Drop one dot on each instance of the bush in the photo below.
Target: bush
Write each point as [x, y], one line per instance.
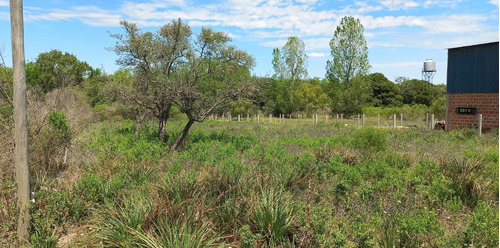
[370, 138]
[483, 229]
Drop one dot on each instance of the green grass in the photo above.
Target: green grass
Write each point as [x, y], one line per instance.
[245, 184]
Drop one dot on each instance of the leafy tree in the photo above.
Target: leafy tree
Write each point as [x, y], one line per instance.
[279, 96]
[170, 69]
[349, 52]
[154, 58]
[55, 69]
[213, 74]
[350, 100]
[416, 91]
[385, 92]
[290, 63]
[311, 96]
[438, 107]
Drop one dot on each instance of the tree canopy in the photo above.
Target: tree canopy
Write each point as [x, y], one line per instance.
[196, 76]
[349, 52]
[290, 63]
[55, 69]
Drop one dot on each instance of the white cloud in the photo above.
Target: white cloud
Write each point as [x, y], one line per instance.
[270, 22]
[495, 2]
[90, 15]
[316, 55]
[4, 3]
[399, 4]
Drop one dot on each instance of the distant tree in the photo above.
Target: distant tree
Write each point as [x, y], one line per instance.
[290, 63]
[56, 69]
[213, 74]
[385, 92]
[350, 100]
[416, 91]
[349, 52]
[154, 58]
[279, 96]
[438, 107]
[6, 95]
[311, 96]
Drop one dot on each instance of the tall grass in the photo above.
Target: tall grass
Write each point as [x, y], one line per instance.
[261, 185]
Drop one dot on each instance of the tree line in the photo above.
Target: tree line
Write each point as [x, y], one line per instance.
[173, 70]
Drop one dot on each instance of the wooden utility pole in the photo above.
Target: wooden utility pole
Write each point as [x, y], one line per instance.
[20, 121]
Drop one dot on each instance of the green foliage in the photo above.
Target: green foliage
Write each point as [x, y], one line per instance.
[55, 69]
[419, 91]
[50, 146]
[311, 96]
[57, 120]
[6, 92]
[438, 108]
[245, 185]
[385, 92]
[483, 229]
[349, 53]
[415, 112]
[242, 108]
[273, 216]
[370, 138]
[290, 63]
[349, 100]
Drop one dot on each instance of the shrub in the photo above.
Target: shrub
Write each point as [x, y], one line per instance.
[483, 229]
[272, 216]
[370, 138]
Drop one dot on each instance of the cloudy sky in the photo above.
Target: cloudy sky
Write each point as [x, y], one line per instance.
[401, 34]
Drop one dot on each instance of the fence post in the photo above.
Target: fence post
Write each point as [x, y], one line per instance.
[358, 119]
[363, 120]
[432, 121]
[378, 120]
[238, 118]
[270, 118]
[316, 118]
[222, 116]
[230, 117]
[480, 129]
[394, 121]
[337, 120]
[401, 119]
[427, 121]
[326, 118]
[248, 117]
[341, 118]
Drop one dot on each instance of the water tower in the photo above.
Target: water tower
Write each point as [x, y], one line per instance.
[429, 70]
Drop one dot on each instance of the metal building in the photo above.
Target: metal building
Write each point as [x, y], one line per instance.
[472, 86]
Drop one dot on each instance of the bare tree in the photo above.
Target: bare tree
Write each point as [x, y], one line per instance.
[20, 121]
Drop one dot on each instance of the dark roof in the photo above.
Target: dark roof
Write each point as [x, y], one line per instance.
[481, 44]
[473, 69]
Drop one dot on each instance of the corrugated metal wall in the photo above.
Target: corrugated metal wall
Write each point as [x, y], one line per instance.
[473, 69]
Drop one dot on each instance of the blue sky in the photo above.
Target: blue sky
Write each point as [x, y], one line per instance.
[401, 34]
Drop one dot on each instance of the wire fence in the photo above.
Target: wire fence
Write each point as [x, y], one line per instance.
[427, 121]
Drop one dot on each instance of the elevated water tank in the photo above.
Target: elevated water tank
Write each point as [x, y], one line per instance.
[429, 65]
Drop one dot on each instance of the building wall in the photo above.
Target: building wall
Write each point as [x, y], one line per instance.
[486, 104]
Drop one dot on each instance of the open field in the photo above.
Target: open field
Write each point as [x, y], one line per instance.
[238, 184]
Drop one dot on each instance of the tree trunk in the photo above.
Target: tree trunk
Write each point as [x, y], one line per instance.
[162, 122]
[183, 135]
[20, 121]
